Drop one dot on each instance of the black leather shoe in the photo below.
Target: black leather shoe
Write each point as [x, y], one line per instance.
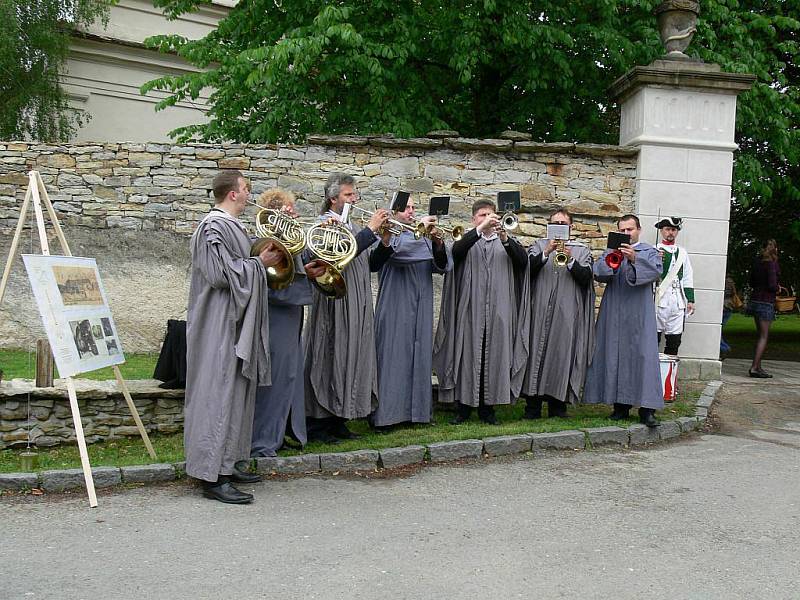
[557, 408]
[323, 437]
[458, 420]
[490, 420]
[647, 417]
[533, 408]
[244, 477]
[760, 374]
[226, 493]
[343, 433]
[620, 412]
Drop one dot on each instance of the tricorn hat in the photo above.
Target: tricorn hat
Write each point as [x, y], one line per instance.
[670, 222]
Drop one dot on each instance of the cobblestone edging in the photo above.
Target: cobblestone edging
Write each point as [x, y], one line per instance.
[387, 458]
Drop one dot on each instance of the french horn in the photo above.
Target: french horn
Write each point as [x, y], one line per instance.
[333, 244]
[285, 232]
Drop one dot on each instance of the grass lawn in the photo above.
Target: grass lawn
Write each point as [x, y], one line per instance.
[131, 451]
[20, 364]
[783, 343]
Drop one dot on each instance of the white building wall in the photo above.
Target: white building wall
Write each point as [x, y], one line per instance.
[685, 168]
[108, 65]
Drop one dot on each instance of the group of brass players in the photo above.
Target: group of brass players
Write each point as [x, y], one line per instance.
[514, 322]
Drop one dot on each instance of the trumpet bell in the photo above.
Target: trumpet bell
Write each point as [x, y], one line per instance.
[561, 259]
[509, 221]
[614, 259]
[279, 276]
[457, 233]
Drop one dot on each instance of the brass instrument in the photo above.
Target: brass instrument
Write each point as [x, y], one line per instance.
[333, 244]
[561, 258]
[393, 226]
[456, 232]
[285, 232]
[509, 221]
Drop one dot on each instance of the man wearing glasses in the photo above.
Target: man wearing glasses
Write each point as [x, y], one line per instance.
[562, 324]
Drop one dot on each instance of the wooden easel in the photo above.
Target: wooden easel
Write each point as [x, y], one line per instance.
[37, 192]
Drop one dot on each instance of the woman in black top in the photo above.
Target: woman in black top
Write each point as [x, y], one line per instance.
[764, 277]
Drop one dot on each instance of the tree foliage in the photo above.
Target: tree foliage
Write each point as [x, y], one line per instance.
[34, 43]
[280, 69]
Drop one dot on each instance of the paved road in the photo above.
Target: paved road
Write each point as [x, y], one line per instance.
[716, 516]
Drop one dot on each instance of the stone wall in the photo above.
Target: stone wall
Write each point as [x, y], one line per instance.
[47, 420]
[133, 206]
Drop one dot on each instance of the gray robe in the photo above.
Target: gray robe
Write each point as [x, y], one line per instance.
[482, 296]
[561, 328]
[285, 397]
[227, 346]
[625, 367]
[404, 330]
[340, 367]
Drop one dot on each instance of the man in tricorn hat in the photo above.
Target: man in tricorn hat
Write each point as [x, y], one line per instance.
[675, 291]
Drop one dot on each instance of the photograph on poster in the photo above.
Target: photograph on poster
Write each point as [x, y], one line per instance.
[84, 340]
[74, 308]
[78, 286]
[107, 327]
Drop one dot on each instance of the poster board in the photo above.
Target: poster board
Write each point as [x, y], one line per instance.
[74, 308]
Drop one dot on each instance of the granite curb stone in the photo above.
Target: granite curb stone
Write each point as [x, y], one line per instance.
[669, 429]
[18, 481]
[687, 424]
[357, 460]
[303, 463]
[148, 473]
[599, 436]
[507, 444]
[105, 476]
[559, 440]
[399, 457]
[641, 434]
[441, 451]
[61, 480]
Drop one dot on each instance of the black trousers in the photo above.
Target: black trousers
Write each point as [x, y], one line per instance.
[672, 341]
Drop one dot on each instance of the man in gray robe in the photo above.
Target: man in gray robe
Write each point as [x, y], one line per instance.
[562, 324]
[625, 370]
[227, 342]
[404, 322]
[479, 349]
[282, 404]
[340, 370]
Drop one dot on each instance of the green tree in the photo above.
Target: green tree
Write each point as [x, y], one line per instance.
[281, 69]
[34, 42]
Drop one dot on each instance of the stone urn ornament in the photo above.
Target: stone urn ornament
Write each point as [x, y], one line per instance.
[677, 20]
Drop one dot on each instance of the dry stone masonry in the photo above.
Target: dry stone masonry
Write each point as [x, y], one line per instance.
[133, 206]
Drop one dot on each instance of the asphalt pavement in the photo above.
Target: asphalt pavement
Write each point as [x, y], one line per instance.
[709, 516]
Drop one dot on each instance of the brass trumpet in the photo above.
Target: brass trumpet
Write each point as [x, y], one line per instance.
[456, 232]
[393, 226]
[333, 244]
[509, 221]
[284, 231]
[561, 258]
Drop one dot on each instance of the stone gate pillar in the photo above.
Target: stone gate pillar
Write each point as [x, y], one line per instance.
[682, 116]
